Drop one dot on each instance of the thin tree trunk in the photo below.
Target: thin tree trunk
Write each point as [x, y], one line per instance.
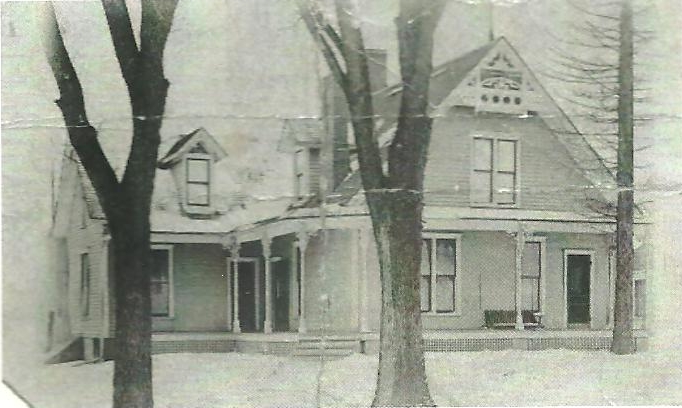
[623, 338]
[401, 379]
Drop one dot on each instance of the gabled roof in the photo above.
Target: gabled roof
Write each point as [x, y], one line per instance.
[186, 142]
[300, 132]
[445, 81]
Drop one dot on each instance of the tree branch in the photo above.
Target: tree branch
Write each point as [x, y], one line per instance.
[118, 20]
[82, 135]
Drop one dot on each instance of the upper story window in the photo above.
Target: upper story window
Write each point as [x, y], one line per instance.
[192, 159]
[306, 172]
[494, 176]
[198, 180]
[439, 274]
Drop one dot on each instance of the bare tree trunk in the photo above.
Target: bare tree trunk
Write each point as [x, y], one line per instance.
[623, 338]
[401, 379]
[127, 203]
[133, 364]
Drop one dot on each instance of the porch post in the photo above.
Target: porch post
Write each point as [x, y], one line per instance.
[520, 242]
[266, 243]
[302, 238]
[236, 325]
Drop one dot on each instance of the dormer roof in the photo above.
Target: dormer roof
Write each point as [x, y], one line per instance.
[300, 132]
[198, 140]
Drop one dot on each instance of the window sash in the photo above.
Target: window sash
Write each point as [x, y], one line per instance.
[494, 171]
[85, 285]
[438, 289]
[198, 182]
[160, 282]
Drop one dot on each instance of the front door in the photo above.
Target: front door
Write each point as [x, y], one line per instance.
[280, 288]
[247, 296]
[578, 288]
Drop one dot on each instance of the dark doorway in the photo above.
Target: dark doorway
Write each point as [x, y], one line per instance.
[280, 288]
[578, 288]
[247, 296]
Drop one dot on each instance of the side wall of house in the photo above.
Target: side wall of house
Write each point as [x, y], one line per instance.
[85, 236]
[200, 293]
[548, 176]
[331, 281]
[487, 279]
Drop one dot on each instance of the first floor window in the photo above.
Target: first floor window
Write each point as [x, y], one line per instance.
[639, 295]
[530, 277]
[438, 275]
[85, 285]
[161, 282]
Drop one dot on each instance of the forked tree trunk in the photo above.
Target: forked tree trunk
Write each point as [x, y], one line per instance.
[401, 377]
[623, 336]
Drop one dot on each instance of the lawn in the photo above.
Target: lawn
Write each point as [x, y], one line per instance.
[554, 377]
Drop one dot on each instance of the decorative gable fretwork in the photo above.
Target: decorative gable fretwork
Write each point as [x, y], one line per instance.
[500, 82]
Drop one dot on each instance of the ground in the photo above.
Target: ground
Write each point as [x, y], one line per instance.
[553, 377]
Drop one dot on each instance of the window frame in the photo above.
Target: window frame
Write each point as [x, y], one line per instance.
[457, 304]
[171, 283]
[542, 241]
[85, 284]
[638, 275]
[496, 138]
[209, 164]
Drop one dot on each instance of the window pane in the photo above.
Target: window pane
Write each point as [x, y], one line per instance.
[506, 155]
[197, 170]
[160, 298]
[425, 293]
[197, 194]
[426, 257]
[483, 154]
[504, 188]
[640, 297]
[531, 259]
[445, 293]
[481, 187]
[530, 299]
[445, 256]
[160, 265]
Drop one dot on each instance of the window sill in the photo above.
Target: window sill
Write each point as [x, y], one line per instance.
[163, 318]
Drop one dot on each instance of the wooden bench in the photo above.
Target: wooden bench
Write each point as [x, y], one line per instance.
[505, 319]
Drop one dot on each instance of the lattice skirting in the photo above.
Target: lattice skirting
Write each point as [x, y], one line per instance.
[446, 345]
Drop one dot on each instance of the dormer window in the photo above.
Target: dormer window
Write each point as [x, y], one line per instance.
[306, 172]
[191, 160]
[198, 180]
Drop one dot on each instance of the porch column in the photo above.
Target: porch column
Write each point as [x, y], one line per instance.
[236, 325]
[302, 238]
[520, 242]
[267, 324]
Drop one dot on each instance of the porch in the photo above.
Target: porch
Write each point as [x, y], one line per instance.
[342, 344]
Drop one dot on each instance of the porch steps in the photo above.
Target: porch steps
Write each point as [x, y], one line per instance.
[326, 348]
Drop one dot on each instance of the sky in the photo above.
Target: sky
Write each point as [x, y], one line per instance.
[237, 68]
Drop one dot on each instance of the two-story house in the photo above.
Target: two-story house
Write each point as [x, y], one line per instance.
[516, 251]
